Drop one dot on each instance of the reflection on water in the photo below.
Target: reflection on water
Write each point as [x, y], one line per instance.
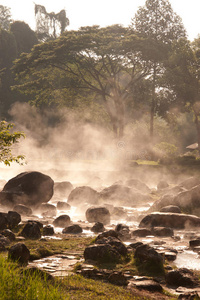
[188, 259]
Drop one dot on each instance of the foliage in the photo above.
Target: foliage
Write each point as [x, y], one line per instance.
[166, 150]
[8, 138]
[5, 17]
[49, 25]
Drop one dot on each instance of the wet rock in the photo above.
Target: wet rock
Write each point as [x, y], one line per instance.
[108, 233]
[48, 230]
[73, 229]
[104, 253]
[9, 234]
[118, 278]
[123, 195]
[3, 221]
[194, 243]
[162, 231]
[63, 205]
[28, 188]
[83, 194]
[162, 185]
[23, 209]
[123, 232]
[171, 208]
[20, 253]
[137, 184]
[63, 188]
[62, 221]
[31, 231]
[47, 209]
[98, 214]
[149, 285]
[13, 219]
[170, 256]
[141, 232]
[98, 227]
[115, 243]
[172, 220]
[181, 277]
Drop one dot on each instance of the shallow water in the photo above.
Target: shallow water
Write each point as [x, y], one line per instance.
[188, 259]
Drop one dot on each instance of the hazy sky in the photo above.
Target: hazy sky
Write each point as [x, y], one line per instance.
[103, 12]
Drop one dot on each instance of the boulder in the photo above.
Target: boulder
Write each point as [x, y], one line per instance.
[98, 214]
[48, 230]
[123, 232]
[162, 185]
[31, 231]
[171, 208]
[62, 221]
[106, 234]
[23, 209]
[141, 232]
[20, 253]
[137, 184]
[83, 194]
[147, 284]
[9, 234]
[162, 231]
[63, 188]
[61, 205]
[73, 229]
[47, 210]
[98, 227]
[181, 277]
[122, 195]
[13, 219]
[115, 243]
[172, 220]
[102, 253]
[28, 188]
[3, 221]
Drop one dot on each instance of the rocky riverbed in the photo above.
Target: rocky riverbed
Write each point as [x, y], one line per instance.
[156, 225]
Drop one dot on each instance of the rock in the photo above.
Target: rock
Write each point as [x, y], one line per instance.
[98, 214]
[149, 285]
[104, 253]
[28, 188]
[20, 253]
[141, 232]
[123, 232]
[118, 278]
[31, 231]
[4, 240]
[48, 230]
[172, 220]
[137, 184]
[13, 219]
[122, 195]
[73, 229]
[23, 209]
[181, 277]
[37, 222]
[47, 209]
[106, 234]
[162, 185]
[115, 243]
[63, 205]
[83, 194]
[3, 221]
[62, 221]
[170, 256]
[189, 183]
[98, 227]
[63, 188]
[9, 234]
[135, 245]
[118, 213]
[171, 208]
[162, 231]
[194, 243]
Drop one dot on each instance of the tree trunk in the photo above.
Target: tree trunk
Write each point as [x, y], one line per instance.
[153, 103]
[198, 130]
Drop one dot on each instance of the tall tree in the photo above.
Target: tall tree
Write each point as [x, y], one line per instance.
[5, 17]
[157, 21]
[103, 62]
[49, 25]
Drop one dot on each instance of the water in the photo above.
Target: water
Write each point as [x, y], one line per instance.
[188, 259]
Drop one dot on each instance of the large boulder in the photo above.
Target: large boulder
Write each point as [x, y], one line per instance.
[72, 229]
[62, 221]
[122, 195]
[98, 214]
[31, 231]
[63, 188]
[83, 194]
[172, 220]
[23, 209]
[102, 253]
[28, 188]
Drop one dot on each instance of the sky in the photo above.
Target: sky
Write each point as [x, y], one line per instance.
[103, 12]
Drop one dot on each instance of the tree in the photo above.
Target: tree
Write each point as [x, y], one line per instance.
[183, 76]
[5, 17]
[25, 37]
[8, 138]
[157, 21]
[49, 25]
[103, 63]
